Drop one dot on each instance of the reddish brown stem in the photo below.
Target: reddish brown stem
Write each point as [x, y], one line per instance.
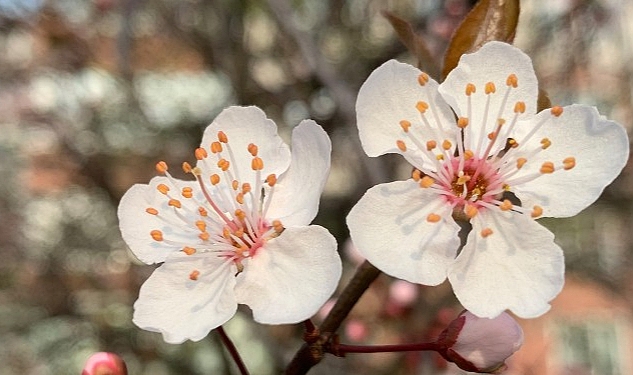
[342, 349]
[230, 347]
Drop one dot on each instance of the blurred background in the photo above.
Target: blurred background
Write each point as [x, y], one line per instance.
[94, 93]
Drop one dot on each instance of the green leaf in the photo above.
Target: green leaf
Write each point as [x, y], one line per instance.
[488, 20]
[414, 43]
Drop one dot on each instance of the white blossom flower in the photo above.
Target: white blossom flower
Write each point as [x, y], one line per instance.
[480, 151]
[238, 233]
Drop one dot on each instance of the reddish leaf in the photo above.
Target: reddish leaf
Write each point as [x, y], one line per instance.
[488, 20]
[414, 43]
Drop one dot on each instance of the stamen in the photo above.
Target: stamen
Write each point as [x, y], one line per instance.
[490, 88]
[430, 145]
[278, 226]
[194, 275]
[216, 147]
[446, 145]
[252, 148]
[174, 203]
[401, 145]
[201, 225]
[161, 167]
[470, 211]
[426, 182]
[519, 107]
[468, 154]
[187, 192]
[462, 122]
[186, 167]
[537, 211]
[545, 142]
[521, 162]
[257, 164]
[271, 180]
[203, 212]
[215, 179]
[405, 125]
[512, 80]
[470, 89]
[222, 137]
[423, 78]
[547, 167]
[556, 111]
[422, 106]
[201, 153]
[235, 184]
[188, 250]
[164, 189]
[486, 232]
[416, 175]
[151, 211]
[223, 164]
[156, 235]
[433, 218]
[569, 163]
[204, 236]
[506, 205]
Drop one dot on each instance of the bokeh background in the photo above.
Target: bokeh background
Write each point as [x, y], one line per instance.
[94, 93]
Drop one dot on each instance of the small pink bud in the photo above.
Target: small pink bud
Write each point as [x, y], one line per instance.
[480, 344]
[103, 363]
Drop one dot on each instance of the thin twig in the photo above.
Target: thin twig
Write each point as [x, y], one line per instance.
[230, 347]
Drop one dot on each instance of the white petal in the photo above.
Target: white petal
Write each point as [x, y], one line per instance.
[182, 309]
[295, 200]
[243, 126]
[289, 279]
[390, 95]
[136, 224]
[493, 62]
[600, 147]
[518, 267]
[389, 227]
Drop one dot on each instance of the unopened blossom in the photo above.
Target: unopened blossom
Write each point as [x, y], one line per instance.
[480, 152]
[237, 233]
[481, 344]
[104, 363]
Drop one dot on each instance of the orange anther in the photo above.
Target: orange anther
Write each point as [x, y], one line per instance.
[405, 125]
[224, 164]
[426, 182]
[545, 143]
[194, 275]
[470, 211]
[187, 192]
[422, 106]
[151, 211]
[569, 163]
[462, 122]
[188, 250]
[430, 145]
[512, 80]
[401, 145]
[201, 225]
[222, 137]
[556, 110]
[470, 89]
[271, 180]
[186, 167]
[537, 211]
[519, 107]
[156, 235]
[246, 188]
[235, 184]
[486, 232]
[204, 236]
[203, 211]
[215, 179]
[200, 153]
[490, 88]
[492, 135]
[446, 145]
[547, 167]
[416, 175]
[252, 148]
[257, 164]
[521, 162]
[239, 198]
[161, 167]
[423, 78]
[513, 143]
[506, 205]
[175, 203]
[216, 147]
[278, 226]
[164, 189]
[468, 154]
[433, 218]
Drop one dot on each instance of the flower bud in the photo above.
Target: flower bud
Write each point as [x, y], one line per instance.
[103, 363]
[480, 344]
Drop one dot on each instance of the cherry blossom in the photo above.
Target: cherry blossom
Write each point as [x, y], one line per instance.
[480, 153]
[237, 233]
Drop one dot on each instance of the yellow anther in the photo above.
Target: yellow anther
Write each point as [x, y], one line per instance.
[235, 184]
[271, 180]
[204, 236]
[463, 179]
[547, 167]
[278, 226]
[224, 164]
[239, 232]
[194, 275]
[521, 162]
[200, 153]
[188, 250]
[405, 125]
[470, 89]
[215, 179]
[164, 189]
[506, 205]
[156, 235]
[512, 80]
[161, 167]
[201, 225]
[426, 182]
[537, 211]
[239, 198]
[187, 192]
[252, 148]
[246, 188]
[226, 233]
[433, 218]
[151, 211]
[486, 232]
[501, 121]
[416, 175]
[470, 211]
[490, 88]
[257, 164]
[174, 203]
[422, 106]
[430, 145]
[468, 154]
[401, 145]
[203, 212]
[439, 157]
[505, 187]
[186, 167]
[519, 107]
[196, 171]
[222, 137]
[513, 143]
[423, 78]
[216, 147]
[545, 143]
[556, 110]
[240, 214]
[462, 122]
[569, 163]
[446, 145]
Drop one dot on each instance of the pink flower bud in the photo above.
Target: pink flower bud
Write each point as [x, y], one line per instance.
[103, 363]
[480, 344]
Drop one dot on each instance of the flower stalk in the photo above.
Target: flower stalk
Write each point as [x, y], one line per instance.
[230, 347]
